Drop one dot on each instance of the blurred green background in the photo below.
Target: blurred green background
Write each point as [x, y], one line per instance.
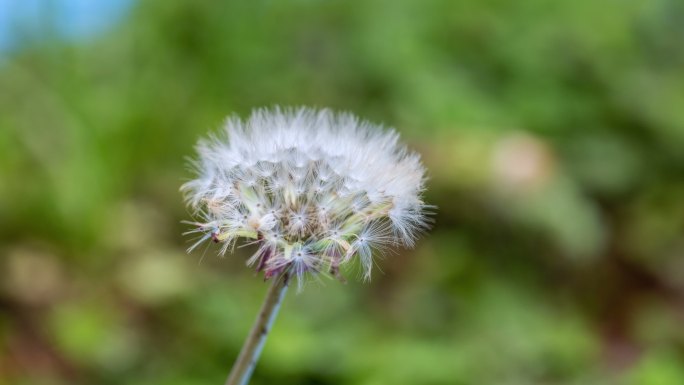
[554, 137]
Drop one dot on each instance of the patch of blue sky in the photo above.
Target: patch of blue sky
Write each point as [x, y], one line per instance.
[23, 22]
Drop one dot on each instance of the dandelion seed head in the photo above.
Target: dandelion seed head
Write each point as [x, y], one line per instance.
[314, 189]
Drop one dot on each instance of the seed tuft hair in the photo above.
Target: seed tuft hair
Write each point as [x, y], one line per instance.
[312, 188]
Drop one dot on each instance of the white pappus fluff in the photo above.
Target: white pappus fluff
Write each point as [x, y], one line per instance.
[312, 188]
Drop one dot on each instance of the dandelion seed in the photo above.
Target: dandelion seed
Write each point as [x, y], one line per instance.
[313, 189]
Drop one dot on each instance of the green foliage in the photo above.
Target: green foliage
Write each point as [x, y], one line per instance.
[553, 133]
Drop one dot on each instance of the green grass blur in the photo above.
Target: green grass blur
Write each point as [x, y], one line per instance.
[554, 137]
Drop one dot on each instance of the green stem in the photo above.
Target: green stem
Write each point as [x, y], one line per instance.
[249, 355]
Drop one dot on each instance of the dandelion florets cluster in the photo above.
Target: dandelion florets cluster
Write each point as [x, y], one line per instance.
[312, 189]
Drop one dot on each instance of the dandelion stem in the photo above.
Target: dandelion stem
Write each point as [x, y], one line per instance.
[249, 355]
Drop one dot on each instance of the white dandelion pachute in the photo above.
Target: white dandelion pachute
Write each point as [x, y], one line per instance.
[312, 188]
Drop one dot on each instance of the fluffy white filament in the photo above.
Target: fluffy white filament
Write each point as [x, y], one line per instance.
[313, 189]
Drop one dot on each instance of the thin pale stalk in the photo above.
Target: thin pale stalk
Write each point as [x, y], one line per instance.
[249, 355]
